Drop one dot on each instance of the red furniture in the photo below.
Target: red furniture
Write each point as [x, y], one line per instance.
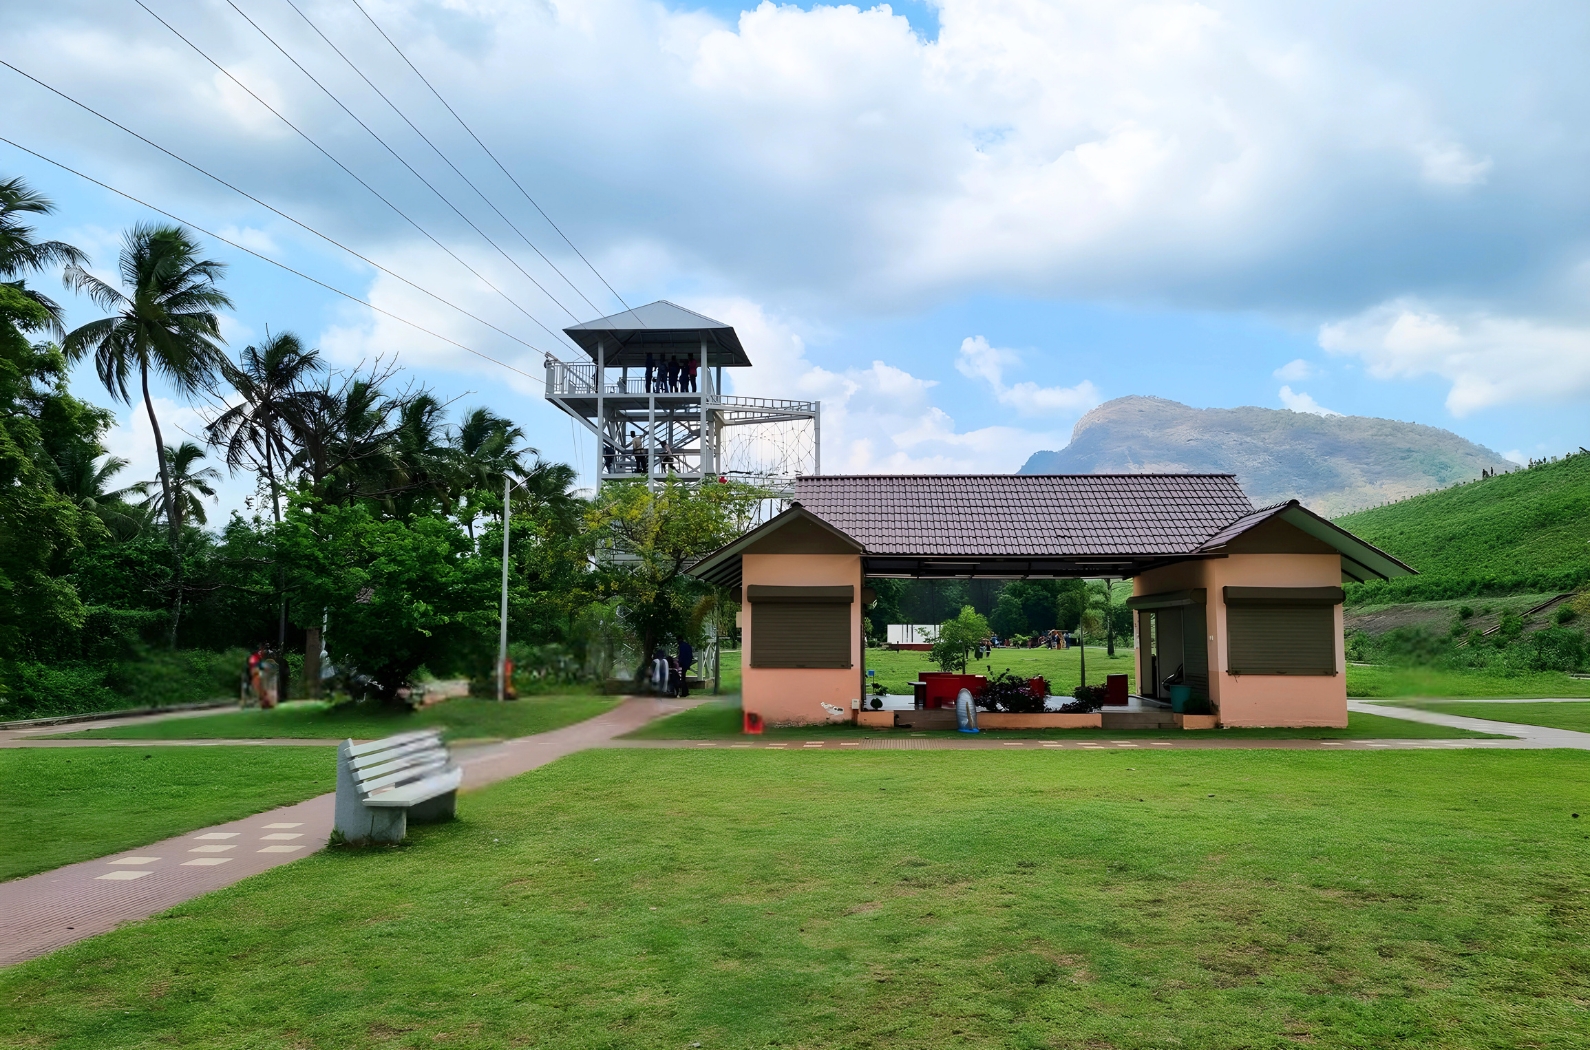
[1115, 690]
[943, 688]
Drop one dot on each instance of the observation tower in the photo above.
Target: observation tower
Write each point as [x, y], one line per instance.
[689, 430]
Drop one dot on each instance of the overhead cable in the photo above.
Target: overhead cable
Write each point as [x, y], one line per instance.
[445, 159]
[397, 156]
[489, 153]
[277, 211]
[349, 172]
[265, 258]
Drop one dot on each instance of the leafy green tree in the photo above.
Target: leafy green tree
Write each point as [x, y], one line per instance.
[86, 480]
[1008, 618]
[957, 638]
[644, 540]
[165, 322]
[398, 594]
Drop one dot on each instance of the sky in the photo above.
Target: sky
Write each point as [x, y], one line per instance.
[960, 225]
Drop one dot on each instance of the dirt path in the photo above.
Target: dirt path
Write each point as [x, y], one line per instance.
[47, 911]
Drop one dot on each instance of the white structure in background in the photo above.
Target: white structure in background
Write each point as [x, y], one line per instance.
[648, 430]
[913, 633]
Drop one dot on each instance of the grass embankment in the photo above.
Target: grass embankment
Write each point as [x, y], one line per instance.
[1384, 680]
[62, 805]
[720, 719]
[1514, 532]
[1062, 667]
[464, 718]
[666, 898]
[1573, 716]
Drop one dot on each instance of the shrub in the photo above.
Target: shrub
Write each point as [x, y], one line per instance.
[1092, 696]
[1465, 612]
[1010, 694]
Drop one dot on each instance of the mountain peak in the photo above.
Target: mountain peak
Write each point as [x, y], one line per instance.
[1334, 464]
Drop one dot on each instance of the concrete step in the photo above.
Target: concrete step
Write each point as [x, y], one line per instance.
[1139, 720]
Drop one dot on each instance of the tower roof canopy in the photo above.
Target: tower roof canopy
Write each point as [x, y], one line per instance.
[659, 328]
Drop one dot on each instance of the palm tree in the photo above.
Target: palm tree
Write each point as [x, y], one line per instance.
[485, 449]
[258, 431]
[165, 322]
[181, 499]
[86, 482]
[20, 253]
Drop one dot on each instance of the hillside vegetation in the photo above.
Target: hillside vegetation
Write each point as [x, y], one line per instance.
[1333, 464]
[1527, 530]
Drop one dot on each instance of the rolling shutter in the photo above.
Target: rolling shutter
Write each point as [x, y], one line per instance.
[1281, 630]
[800, 626]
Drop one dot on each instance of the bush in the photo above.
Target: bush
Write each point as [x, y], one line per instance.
[1090, 695]
[1008, 694]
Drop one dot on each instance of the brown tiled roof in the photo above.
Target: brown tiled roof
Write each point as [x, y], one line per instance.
[1026, 514]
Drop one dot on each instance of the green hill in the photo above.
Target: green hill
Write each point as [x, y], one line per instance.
[1524, 531]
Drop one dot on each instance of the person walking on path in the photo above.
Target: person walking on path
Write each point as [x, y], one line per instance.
[687, 656]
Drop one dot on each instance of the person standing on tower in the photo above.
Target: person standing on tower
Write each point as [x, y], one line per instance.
[691, 365]
[649, 366]
[639, 451]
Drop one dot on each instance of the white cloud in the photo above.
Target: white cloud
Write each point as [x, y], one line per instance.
[1449, 164]
[876, 419]
[1301, 402]
[978, 360]
[1296, 371]
[1488, 359]
[1515, 456]
[132, 439]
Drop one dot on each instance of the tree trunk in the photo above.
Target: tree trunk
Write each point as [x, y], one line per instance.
[312, 662]
[173, 518]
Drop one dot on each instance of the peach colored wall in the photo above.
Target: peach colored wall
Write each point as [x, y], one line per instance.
[1260, 700]
[795, 695]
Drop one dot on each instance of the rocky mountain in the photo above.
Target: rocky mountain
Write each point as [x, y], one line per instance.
[1334, 464]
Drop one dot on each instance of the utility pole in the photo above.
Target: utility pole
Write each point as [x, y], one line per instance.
[502, 636]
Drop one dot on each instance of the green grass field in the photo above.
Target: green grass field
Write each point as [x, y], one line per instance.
[897, 670]
[720, 719]
[62, 805]
[464, 718]
[1557, 716]
[1390, 681]
[926, 899]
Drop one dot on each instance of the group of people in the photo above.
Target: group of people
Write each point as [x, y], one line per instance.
[636, 457]
[669, 674]
[670, 375]
[1054, 639]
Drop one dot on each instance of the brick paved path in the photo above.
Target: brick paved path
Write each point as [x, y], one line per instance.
[47, 911]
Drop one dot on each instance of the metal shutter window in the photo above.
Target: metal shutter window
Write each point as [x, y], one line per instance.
[1281, 630]
[800, 626]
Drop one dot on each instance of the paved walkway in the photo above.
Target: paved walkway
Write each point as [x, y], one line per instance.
[1525, 736]
[47, 911]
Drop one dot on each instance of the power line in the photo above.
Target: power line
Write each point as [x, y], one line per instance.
[397, 156]
[322, 150]
[265, 258]
[489, 153]
[302, 225]
[445, 159]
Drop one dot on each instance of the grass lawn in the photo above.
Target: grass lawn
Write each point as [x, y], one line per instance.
[668, 898]
[1557, 716]
[1384, 680]
[464, 718]
[720, 719]
[61, 805]
[897, 670]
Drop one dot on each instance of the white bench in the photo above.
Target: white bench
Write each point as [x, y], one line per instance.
[384, 784]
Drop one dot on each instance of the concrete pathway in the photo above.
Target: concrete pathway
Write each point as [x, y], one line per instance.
[43, 912]
[1524, 736]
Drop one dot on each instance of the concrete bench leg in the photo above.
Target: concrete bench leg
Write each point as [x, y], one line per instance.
[436, 810]
[359, 824]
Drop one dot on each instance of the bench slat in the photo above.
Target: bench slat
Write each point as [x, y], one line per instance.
[387, 754]
[402, 777]
[416, 758]
[420, 791]
[385, 742]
